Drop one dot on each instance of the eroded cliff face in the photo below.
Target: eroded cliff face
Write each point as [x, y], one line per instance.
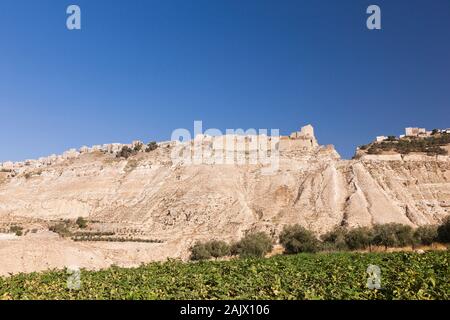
[315, 189]
[150, 196]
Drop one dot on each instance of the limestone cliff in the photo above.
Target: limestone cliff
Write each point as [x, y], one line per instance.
[151, 196]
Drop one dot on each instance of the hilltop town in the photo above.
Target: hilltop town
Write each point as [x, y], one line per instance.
[415, 132]
[415, 142]
[297, 141]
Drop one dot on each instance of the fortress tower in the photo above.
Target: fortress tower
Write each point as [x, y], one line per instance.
[300, 140]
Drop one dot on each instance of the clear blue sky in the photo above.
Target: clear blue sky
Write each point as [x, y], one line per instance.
[140, 68]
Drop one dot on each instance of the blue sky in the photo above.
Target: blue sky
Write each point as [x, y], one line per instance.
[139, 69]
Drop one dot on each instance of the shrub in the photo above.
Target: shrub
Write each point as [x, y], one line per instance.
[217, 248]
[114, 239]
[405, 235]
[209, 249]
[18, 230]
[125, 152]
[199, 251]
[151, 146]
[335, 239]
[138, 147]
[364, 147]
[61, 229]
[253, 245]
[359, 238]
[443, 231]
[81, 223]
[426, 235]
[297, 239]
[373, 150]
[393, 235]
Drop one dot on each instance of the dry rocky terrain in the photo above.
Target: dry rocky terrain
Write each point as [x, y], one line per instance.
[150, 197]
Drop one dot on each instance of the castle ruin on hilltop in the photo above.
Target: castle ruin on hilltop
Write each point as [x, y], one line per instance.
[298, 141]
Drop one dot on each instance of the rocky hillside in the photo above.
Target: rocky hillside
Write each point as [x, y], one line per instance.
[149, 196]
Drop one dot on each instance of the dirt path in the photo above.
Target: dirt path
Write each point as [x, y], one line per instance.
[46, 250]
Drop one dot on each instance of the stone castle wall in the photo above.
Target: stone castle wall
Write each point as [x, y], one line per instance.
[303, 140]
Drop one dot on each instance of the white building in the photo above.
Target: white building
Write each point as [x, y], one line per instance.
[8, 165]
[414, 132]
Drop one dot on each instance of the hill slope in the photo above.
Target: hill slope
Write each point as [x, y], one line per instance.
[148, 196]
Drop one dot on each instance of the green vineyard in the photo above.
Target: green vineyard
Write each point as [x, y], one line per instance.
[302, 276]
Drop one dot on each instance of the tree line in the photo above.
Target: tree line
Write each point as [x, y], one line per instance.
[297, 239]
